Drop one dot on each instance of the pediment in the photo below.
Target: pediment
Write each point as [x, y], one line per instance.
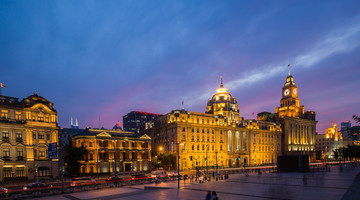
[145, 137]
[103, 134]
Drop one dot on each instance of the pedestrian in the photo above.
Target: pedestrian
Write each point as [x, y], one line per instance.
[208, 196]
[246, 174]
[214, 196]
[191, 178]
[304, 180]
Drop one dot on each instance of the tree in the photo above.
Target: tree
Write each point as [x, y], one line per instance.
[72, 158]
[165, 160]
[356, 118]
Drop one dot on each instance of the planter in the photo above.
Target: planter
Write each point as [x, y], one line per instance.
[70, 189]
[111, 185]
[85, 188]
[132, 182]
[99, 186]
[54, 191]
[16, 195]
[36, 193]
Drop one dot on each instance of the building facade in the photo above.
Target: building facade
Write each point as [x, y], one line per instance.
[299, 126]
[28, 128]
[330, 141]
[135, 121]
[131, 151]
[218, 137]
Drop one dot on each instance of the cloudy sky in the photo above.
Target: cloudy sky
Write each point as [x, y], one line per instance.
[106, 58]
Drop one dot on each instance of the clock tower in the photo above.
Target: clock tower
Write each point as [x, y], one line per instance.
[290, 103]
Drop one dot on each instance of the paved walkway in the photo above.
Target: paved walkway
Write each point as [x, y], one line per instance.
[327, 185]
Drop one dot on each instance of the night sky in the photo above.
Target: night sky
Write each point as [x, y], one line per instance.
[107, 58]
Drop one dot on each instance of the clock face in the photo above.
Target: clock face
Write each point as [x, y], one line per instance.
[286, 92]
[294, 91]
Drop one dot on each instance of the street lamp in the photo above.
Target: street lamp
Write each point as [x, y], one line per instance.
[115, 164]
[206, 159]
[178, 160]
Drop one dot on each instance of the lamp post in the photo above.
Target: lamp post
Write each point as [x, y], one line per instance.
[206, 159]
[178, 161]
[216, 164]
[115, 164]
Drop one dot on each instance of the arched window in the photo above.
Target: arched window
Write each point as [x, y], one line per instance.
[90, 144]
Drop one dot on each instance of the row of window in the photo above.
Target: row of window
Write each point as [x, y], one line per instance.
[106, 144]
[105, 156]
[19, 136]
[29, 116]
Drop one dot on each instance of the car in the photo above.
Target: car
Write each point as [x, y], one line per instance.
[82, 181]
[3, 190]
[159, 174]
[37, 186]
[138, 176]
[113, 179]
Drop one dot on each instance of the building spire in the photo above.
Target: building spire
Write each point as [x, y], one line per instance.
[221, 82]
[71, 121]
[289, 69]
[76, 122]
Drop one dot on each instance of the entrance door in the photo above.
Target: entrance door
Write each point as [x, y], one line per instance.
[127, 167]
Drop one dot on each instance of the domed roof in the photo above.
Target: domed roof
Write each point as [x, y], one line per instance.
[221, 94]
[34, 99]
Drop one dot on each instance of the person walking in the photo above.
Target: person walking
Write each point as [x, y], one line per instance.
[214, 196]
[208, 196]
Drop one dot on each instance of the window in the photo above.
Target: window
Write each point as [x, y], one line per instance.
[192, 147]
[18, 135]
[221, 148]
[41, 136]
[5, 136]
[192, 138]
[91, 156]
[7, 172]
[6, 152]
[20, 172]
[198, 148]
[43, 171]
[183, 129]
[90, 144]
[5, 114]
[47, 136]
[34, 136]
[41, 153]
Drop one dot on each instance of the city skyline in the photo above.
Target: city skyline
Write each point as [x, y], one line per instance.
[104, 60]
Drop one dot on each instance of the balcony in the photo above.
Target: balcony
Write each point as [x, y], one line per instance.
[6, 158]
[6, 139]
[20, 158]
[19, 140]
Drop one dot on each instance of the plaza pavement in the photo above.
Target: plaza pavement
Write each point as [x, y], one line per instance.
[320, 185]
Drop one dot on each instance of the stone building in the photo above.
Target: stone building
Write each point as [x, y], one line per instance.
[299, 126]
[218, 137]
[328, 142]
[28, 128]
[131, 151]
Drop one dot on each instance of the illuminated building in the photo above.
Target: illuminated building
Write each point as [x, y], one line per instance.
[27, 128]
[135, 121]
[328, 142]
[132, 151]
[207, 139]
[299, 126]
[222, 103]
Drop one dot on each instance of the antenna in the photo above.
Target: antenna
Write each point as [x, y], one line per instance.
[289, 69]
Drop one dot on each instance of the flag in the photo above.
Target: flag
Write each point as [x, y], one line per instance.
[288, 65]
[332, 122]
[2, 85]
[253, 113]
